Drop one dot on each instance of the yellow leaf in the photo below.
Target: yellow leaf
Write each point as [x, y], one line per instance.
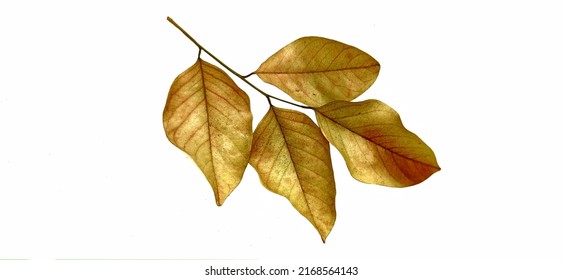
[376, 146]
[316, 71]
[208, 117]
[292, 159]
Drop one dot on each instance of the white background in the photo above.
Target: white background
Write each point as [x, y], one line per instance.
[87, 174]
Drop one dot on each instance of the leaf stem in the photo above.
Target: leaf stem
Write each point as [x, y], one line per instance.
[243, 78]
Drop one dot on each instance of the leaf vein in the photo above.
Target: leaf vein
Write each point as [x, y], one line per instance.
[315, 71]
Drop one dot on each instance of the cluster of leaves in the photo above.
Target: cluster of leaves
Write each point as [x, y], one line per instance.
[208, 116]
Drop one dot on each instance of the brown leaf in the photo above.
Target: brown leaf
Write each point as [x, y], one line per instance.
[208, 117]
[316, 71]
[376, 146]
[292, 159]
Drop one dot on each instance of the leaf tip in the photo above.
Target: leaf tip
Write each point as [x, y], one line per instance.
[219, 200]
[324, 234]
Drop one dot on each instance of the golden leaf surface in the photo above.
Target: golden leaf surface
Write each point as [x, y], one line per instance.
[292, 159]
[376, 146]
[208, 116]
[316, 71]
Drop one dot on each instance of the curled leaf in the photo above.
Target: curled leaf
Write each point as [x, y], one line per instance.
[316, 71]
[292, 159]
[376, 146]
[208, 117]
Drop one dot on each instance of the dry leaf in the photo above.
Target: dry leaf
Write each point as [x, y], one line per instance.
[376, 146]
[316, 71]
[292, 159]
[208, 117]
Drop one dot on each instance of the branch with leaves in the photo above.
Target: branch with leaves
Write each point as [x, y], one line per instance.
[208, 116]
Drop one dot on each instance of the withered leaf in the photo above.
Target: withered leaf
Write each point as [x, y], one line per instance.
[208, 116]
[316, 71]
[376, 146]
[292, 159]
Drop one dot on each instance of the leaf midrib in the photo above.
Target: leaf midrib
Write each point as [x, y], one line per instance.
[200, 61]
[313, 72]
[369, 140]
[293, 164]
